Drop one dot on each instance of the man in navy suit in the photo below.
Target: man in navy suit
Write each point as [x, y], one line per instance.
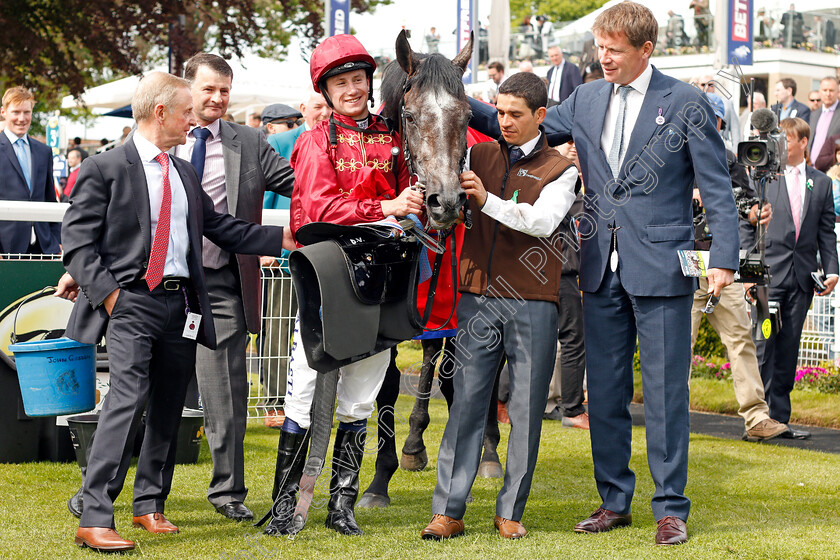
[802, 226]
[788, 107]
[25, 174]
[643, 140]
[563, 77]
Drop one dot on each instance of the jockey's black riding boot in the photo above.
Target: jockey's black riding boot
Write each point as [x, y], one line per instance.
[291, 456]
[344, 482]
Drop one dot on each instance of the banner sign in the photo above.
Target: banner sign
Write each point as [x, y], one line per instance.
[465, 26]
[740, 33]
[339, 17]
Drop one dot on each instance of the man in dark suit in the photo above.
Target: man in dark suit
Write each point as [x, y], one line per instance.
[802, 226]
[825, 126]
[788, 107]
[563, 77]
[25, 174]
[236, 166]
[638, 215]
[132, 241]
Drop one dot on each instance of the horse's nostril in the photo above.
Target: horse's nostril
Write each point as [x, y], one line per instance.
[433, 201]
[462, 198]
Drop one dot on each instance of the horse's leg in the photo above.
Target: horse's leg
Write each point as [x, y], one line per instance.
[376, 494]
[414, 456]
[491, 466]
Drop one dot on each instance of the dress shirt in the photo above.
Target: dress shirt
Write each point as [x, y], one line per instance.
[634, 101]
[14, 138]
[556, 81]
[821, 132]
[179, 242]
[541, 218]
[213, 183]
[786, 109]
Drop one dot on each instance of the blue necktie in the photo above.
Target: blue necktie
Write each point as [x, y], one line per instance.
[199, 150]
[515, 155]
[618, 138]
[23, 159]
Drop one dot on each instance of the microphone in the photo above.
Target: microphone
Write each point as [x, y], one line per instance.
[763, 120]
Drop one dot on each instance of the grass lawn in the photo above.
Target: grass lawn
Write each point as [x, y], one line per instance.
[749, 501]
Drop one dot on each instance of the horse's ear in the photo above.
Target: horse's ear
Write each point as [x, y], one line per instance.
[463, 57]
[405, 56]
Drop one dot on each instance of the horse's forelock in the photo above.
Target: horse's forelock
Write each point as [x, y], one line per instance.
[436, 72]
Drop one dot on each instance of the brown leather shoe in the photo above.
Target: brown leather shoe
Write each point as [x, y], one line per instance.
[580, 421]
[154, 523]
[102, 539]
[603, 520]
[509, 529]
[765, 430]
[671, 530]
[443, 527]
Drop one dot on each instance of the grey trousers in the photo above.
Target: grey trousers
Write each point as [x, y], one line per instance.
[223, 385]
[488, 328]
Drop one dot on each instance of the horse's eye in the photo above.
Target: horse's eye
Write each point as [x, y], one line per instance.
[409, 118]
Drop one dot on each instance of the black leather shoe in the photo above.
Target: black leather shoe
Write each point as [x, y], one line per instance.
[236, 511]
[794, 434]
[76, 504]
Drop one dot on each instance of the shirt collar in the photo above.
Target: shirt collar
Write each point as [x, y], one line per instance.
[147, 151]
[641, 83]
[213, 127]
[832, 108]
[14, 137]
[529, 146]
[801, 167]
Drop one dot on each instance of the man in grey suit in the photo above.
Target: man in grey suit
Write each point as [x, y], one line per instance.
[825, 126]
[235, 165]
[802, 226]
[132, 241]
[643, 139]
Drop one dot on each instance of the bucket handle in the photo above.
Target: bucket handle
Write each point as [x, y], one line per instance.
[13, 337]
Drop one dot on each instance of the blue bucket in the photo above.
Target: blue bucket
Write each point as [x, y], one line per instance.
[56, 377]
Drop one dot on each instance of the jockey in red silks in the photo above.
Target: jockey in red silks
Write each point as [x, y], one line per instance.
[345, 173]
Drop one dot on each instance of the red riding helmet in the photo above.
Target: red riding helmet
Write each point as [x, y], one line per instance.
[336, 55]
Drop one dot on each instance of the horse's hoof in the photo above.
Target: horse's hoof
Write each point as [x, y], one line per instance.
[490, 469]
[416, 462]
[374, 501]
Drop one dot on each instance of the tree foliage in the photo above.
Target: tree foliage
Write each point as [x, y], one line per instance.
[554, 10]
[57, 47]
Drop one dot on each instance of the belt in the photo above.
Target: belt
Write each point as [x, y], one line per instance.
[174, 283]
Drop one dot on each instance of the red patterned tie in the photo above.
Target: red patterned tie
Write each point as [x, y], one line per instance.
[160, 244]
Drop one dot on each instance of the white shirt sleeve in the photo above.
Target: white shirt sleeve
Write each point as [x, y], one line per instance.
[541, 218]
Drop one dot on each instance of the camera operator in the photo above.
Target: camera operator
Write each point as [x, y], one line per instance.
[802, 227]
[729, 316]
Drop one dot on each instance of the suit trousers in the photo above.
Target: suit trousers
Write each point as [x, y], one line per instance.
[613, 319]
[566, 389]
[358, 385]
[488, 328]
[149, 360]
[223, 385]
[732, 323]
[778, 355]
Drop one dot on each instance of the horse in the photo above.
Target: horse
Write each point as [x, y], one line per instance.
[425, 94]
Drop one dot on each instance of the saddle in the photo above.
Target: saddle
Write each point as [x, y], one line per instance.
[357, 292]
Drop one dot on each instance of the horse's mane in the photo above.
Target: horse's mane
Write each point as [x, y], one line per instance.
[435, 72]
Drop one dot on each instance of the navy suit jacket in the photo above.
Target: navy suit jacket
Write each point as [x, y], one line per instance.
[798, 110]
[568, 81]
[15, 236]
[108, 237]
[786, 253]
[651, 199]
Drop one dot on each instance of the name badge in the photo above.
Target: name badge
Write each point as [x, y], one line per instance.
[191, 327]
